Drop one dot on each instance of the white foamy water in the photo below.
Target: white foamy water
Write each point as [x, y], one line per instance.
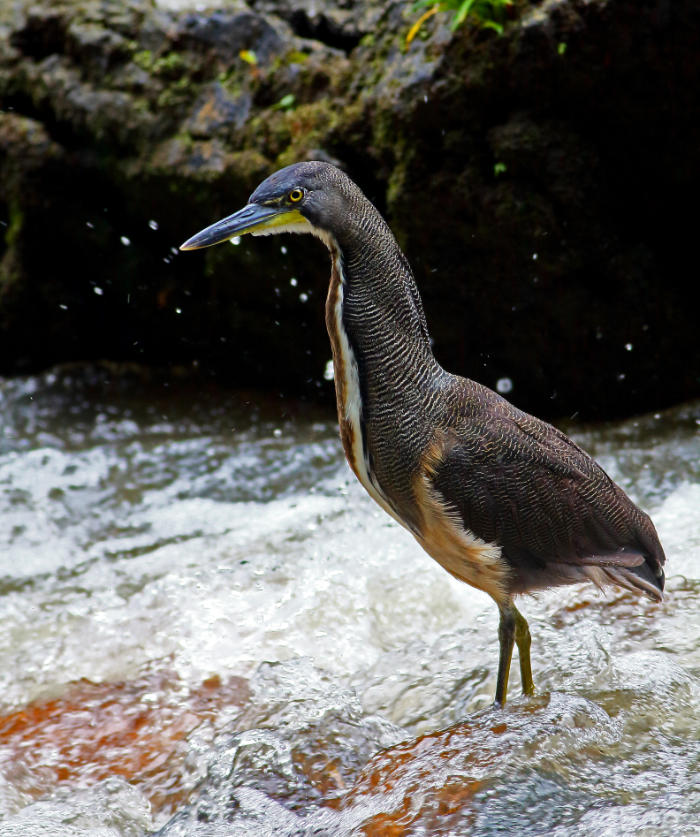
[146, 528]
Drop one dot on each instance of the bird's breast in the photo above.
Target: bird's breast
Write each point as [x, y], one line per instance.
[423, 512]
[348, 392]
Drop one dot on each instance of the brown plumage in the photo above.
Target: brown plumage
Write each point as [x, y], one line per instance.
[502, 500]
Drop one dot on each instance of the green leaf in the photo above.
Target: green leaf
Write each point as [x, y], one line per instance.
[491, 24]
[462, 13]
[286, 102]
[248, 56]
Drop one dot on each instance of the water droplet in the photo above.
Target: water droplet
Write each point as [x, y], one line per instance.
[283, 250]
[303, 297]
[504, 385]
[90, 225]
[534, 257]
[328, 371]
[236, 240]
[98, 291]
[125, 241]
[153, 224]
[276, 432]
[63, 307]
[178, 310]
[293, 282]
[621, 376]
[629, 347]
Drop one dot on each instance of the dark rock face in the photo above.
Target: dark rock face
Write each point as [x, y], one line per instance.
[538, 181]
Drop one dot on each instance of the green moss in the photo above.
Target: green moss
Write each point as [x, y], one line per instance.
[175, 93]
[143, 59]
[293, 56]
[10, 270]
[232, 81]
[269, 131]
[296, 57]
[311, 126]
[171, 65]
[396, 185]
[15, 223]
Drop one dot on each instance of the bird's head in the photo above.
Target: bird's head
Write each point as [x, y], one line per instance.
[301, 198]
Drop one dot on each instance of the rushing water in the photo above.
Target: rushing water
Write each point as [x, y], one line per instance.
[209, 629]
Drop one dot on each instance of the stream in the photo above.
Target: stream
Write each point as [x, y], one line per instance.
[209, 629]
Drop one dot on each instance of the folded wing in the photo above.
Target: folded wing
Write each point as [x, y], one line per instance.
[519, 482]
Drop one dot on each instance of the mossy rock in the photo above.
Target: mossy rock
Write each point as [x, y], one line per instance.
[538, 191]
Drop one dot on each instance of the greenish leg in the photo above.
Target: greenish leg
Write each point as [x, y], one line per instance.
[506, 640]
[512, 629]
[522, 639]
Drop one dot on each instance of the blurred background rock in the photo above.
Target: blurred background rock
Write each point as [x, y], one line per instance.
[542, 183]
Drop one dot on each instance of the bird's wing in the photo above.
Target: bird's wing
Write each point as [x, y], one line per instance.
[519, 482]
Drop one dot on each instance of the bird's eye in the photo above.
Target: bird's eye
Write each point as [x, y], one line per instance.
[296, 195]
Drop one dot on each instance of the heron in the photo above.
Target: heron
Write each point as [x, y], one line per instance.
[502, 500]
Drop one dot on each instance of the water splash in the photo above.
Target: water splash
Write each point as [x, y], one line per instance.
[260, 638]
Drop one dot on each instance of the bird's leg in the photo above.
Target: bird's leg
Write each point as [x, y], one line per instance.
[522, 639]
[512, 629]
[506, 639]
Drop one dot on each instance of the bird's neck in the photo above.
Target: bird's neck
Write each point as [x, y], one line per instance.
[381, 355]
[382, 311]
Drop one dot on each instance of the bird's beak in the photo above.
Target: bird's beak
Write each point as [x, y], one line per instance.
[253, 218]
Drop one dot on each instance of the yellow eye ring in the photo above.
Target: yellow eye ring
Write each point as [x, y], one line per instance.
[296, 195]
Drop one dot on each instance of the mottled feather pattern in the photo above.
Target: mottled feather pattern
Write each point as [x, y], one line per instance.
[447, 451]
[553, 510]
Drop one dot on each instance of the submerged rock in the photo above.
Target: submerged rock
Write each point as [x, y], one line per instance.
[536, 181]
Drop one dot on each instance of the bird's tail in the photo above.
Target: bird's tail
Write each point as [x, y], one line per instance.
[631, 570]
[638, 579]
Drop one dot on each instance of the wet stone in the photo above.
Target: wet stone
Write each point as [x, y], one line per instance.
[217, 109]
